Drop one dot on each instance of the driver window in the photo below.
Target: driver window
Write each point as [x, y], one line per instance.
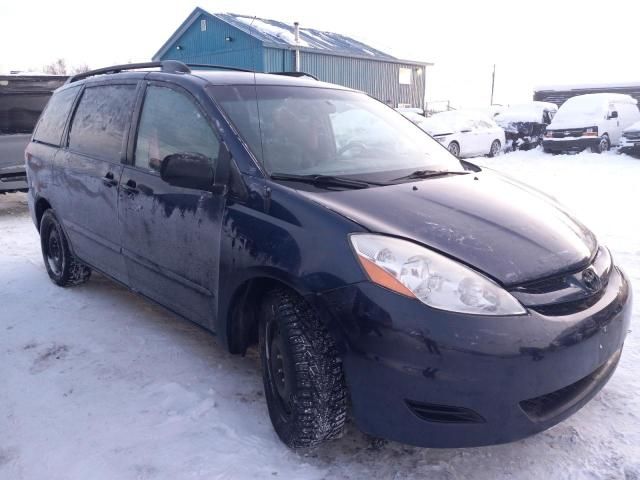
[171, 123]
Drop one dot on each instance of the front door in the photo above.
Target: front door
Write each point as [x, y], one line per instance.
[90, 168]
[171, 235]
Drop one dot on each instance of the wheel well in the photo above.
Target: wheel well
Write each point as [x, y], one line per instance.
[41, 206]
[243, 317]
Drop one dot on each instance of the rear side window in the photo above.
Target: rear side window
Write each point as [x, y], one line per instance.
[172, 123]
[101, 121]
[55, 115]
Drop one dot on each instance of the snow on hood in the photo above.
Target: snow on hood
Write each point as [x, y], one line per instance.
[586, 109]
[526, 112]
[633, 128]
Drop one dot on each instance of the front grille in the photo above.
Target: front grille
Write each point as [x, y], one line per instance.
[444, 413]
[553, 404]
[569, 292]
[568, 133]
[569, 308]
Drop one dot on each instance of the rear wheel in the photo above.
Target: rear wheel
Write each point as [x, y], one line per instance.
[303, 379]
[495, 148]
[454, 148]
[603, 145]
[63, 267]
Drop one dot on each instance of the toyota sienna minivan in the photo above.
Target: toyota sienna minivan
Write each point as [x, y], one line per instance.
[443, 304]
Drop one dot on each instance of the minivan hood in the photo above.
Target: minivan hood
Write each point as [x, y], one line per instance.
[498, 225]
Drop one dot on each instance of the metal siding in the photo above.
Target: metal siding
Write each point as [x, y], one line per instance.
[378, 79]
[210, 46]
[278, 60]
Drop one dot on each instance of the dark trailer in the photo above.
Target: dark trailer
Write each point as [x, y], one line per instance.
[559, 94]
[22, 99]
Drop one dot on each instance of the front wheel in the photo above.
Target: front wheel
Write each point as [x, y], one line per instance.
[454, 148]
[303, 380]
[603, 145]
[495, 148]
[64, 269]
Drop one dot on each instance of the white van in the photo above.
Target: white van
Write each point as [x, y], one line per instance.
[593, 121]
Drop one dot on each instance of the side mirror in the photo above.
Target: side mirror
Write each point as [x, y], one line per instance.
[613, 114]
[187, 170]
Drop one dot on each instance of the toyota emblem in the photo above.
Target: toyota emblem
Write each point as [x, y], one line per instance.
[591, 280]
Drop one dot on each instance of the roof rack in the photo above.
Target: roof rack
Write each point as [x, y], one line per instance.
[219, 67]
[173, 66]
[294, 74]
[169, 66]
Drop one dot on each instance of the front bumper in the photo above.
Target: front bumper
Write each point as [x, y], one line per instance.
[439, 379]
[570, 145]
[631, 147]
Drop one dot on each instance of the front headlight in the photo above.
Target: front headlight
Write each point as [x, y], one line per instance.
[435, 280]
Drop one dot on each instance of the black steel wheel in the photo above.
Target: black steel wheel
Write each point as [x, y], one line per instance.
[62, 266]
[303, 379]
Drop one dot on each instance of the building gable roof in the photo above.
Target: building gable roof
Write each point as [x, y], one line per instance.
[280, 34]
[273, 33]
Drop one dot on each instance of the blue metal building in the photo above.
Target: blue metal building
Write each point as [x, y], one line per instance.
[272, 46]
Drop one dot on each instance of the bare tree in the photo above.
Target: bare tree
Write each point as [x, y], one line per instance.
[83, 67]
[59, 67]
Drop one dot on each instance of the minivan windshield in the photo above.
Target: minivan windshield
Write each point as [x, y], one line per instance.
[322, 131]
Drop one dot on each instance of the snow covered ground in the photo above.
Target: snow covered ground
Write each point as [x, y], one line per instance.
[96, 383]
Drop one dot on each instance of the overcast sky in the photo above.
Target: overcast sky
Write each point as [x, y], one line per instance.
[532, 43]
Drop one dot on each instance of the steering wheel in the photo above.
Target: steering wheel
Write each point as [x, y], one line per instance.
[351, 145]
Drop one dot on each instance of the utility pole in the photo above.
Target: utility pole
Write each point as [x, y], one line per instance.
[493, 82]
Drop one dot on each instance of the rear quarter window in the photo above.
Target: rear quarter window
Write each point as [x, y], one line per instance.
[101, 121]
[51, 124]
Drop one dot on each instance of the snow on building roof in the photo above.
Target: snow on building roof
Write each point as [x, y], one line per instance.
[282, 34]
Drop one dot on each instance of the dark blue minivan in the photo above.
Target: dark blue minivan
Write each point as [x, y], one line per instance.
[443, 304]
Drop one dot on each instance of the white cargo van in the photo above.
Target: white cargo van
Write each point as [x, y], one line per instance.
[593, 121]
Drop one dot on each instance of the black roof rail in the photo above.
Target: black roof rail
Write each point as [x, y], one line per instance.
[219, 67]
[168, 66]
[295, 74]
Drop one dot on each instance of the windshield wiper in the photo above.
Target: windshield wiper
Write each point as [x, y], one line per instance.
[326, 180]
[428, 174]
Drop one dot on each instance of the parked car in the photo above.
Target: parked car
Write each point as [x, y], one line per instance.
[524, 125]
[22, 99]
[466, 134]
[593, 121]
[630, 142]
[420, 120]
[453, 306]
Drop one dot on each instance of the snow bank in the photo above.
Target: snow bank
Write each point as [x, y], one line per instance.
[96, 383]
